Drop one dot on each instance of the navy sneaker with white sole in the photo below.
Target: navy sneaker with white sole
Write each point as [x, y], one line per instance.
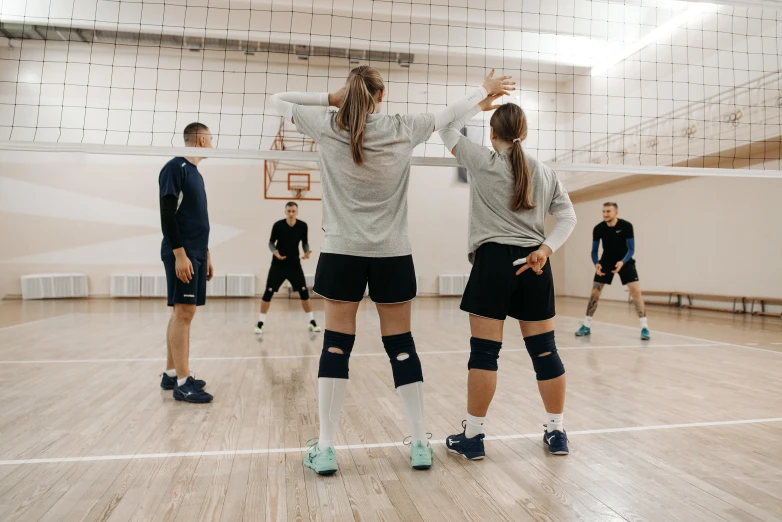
[469, 448]
[189, 392]
[168, 383]
[556, 442]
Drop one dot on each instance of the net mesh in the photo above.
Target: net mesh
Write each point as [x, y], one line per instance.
[659, 83]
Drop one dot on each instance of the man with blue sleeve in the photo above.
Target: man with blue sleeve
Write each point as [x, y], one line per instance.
[185, 254]
[618, 249]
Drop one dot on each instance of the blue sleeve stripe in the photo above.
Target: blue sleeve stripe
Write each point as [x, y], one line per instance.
[630, 250]
[595, 246]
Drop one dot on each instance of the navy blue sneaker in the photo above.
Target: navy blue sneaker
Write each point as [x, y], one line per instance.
[189, 392]
[168, 383]
[556, 442]
[470, 449]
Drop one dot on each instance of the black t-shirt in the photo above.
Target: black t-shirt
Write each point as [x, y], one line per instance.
[614, 240]
[181, 179]
[286, 239]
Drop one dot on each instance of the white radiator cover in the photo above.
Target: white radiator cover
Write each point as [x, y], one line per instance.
[154, 285]
[240, 285]
[452, 284]
[54, 286]
[125, 285]
[217, 286]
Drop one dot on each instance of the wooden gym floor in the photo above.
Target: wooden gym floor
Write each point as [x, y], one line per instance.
[685, 427]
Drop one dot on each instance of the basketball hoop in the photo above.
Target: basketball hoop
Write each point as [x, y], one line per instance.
[298, 184]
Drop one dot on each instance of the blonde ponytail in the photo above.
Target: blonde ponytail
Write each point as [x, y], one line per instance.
[363, 84]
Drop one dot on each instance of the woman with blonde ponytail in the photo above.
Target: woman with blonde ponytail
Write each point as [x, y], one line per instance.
[510, 195]
[365, 170]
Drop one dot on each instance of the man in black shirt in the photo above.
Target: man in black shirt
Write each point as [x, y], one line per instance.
[185, 254]
[284, 244]
[618, 249]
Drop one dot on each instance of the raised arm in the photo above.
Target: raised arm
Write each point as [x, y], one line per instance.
[491, 87]
[284, 101]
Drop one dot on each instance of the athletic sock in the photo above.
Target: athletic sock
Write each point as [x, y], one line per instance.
[474, 426]
[644, 322]
[331, 393]
[181, 382]
[587, 321]
[262, 318]
[412, 397]
[311, 316]
[171, 373]
[555, 422]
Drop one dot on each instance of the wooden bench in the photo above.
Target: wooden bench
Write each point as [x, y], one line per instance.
[736, 300]
[662, 293]
[763, 302]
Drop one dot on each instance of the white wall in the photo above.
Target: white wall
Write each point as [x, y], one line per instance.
[99, 215]
[707, 235]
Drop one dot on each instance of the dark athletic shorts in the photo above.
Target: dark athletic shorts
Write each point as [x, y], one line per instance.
[345, 278]
[628, 273]
[495, 291]
[192, 293]
[280, 271]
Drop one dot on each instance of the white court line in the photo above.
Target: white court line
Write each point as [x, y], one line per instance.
[715, 343]
[34, 322]
[377, 354]
[269, 451]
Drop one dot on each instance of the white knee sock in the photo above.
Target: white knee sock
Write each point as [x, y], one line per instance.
[555, 421]
[474, 426]
[331, 393]
[412, 396]
[587, 321]
[262, 318]
[644, 323]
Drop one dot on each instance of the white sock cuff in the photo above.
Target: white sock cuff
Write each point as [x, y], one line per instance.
[171, 373]
[262, 318]
[311, 316]
[181, 382]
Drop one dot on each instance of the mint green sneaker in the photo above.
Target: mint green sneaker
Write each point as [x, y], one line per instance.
[584, 331]
[323, 461]
[645, 334]
[420, 453]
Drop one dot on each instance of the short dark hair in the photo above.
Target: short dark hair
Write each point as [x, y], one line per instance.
[193, 130]
[611, 204]
[291, 204]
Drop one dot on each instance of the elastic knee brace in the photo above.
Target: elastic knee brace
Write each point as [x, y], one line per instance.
[303, 293]
[547, 367]
[267, 295]
[405, 363]
[483, 354]
[335, 365]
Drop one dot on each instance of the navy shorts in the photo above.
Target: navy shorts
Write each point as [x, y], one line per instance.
[192, 293]
[495, 291]
[341, 277]
[628, 274]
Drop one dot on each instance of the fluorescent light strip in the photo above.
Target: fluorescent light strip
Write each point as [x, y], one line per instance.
[655, 36]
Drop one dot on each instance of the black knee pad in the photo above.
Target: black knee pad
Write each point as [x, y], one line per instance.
[549, 366]
[303, 293]
[335, 365]
[267, 295]
[483, 354]
[408, 370]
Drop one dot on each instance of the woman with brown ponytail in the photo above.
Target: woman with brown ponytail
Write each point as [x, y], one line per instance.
[365, 170]
[510, 195]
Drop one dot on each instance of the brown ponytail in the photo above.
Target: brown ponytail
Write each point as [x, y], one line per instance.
[510, 124]
[362, 86]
